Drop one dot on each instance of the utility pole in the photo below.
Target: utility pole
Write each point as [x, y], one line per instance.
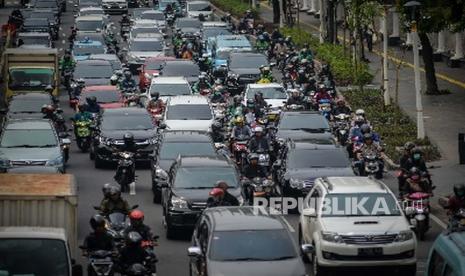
[281, 17]
[387, 98]
[322, 21]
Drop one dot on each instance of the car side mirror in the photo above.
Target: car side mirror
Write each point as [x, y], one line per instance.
[307, 248]
[309, 212]
[76, 270]
[194, 252]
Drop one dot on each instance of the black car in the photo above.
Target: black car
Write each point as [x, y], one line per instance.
[303, 125]
[185, 194]
[170, 146]
[28, 105]
[188, 26]
[93, 72]
[113, 124]
[181, 68]
[300, 163]
[246, 66]
[231, 241]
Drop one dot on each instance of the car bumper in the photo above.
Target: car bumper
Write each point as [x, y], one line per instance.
[115, 10]
[394, 254]
[183, 219]
[106, 153]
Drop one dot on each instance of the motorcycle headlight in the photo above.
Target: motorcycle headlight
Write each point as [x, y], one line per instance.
[179, 203]
[4, 163]
[404, 236]
[161, 173]
[296, 183]
[55, 162]
[331, 237]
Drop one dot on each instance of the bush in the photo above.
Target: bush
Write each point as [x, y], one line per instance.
[391, 123]
[344, 71]
[236, 7]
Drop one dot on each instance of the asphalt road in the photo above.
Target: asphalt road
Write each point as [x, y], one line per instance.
[172, 255]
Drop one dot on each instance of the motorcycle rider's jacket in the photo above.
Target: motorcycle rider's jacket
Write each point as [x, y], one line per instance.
[217, 97]
[280, 48]
[67, 64]
[109, 206]
[82, 116]
[241, 130]
[373, 148]
[261, 45]
[294, 100]
[201, 85]
[454, 204]
[230, 199]
[254, 171]
[259, 144]
[128, 84]
[419, 164]
[306, 55]
[144, 231]
[99, 241]
[234, 109]
[93, 108]
[156, 104]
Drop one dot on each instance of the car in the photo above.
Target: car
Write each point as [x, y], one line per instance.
[90, 23]
[89, 3]
[356, 222]
[157, 16]
[93, 72]
[447, 255]
[141, 48]
[91, 11]
[162, 4]
[196, 8]
[303, 125]
[246, 66]
[151, 68]
[108, 96]
[90, 36]
[39, 25]
[112, 58]
[181, 68]
[33, 142]
[172, 144]
[31, 39]
[136, 12]
[111, 127]
[53, 19]
[185, 194]
[274, 93]
[188, 113]
[220, 48]
[28, 105]
[301, 162]
[115, 6]
[212, 29]
[54, 6]
[146, 28]
[243, 241]
[82, 49]
[189, 26]
[168, 87]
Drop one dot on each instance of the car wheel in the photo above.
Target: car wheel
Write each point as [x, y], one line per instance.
[305, 258]
[98, 163]
[408, 270]
[170, 231]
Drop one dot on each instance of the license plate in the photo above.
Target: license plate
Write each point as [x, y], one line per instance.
[375, 251]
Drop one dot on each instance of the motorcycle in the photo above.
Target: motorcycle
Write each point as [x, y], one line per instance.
[125, 29]
[67, 77]
[126, 170]
[324, 107]
[416, 208]
[341, 128]
[372, 165]
[157, 115]
[240, 150]
[260, 187]
[101, 263]
[83, 134]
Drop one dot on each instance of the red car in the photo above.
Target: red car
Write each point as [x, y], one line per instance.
[108, 96]
[151, 66]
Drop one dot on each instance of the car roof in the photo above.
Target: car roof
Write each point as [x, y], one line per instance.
[187, 99]
[28, 124]
[203, 161]
[198, 2]
[312, 145]
[97, 62]
[302, 113]
[153, 12]
[90, 17]
[169, 80]
[180, 61]
[243, 218]
[264, 85]
[111, 57]
[30, 96]
[246, 54]
[128, 111]
[186, 136]
[152, 37]
[90, 8]
[145, 21]
[33, 34]
[354, 184]
[215, 24]
[158, 58]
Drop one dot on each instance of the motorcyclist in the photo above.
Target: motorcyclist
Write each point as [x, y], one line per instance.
[114, 203]
[306, 53]
[49, 112]
[205, 63]
[133, 253]
[92, 105]
[359, 113]
[279, 46]
[201, 84]
[228, 198]
[415, 183]
[295, 99]
[137, 225]
[215, 199]
[457, 201]
[67, 62]
[82, 114]
[129, 144]
[417, 160]
[321, 94]
[187, 52]
[236, 108]
[265, 73]
[16, 18]
[258, 142]
[252, 169]
[128, 82]
[155, 101]
[217, 96]
[275, 35]
[259, 104]
[404, 164]
[288, 42]
[169, 9]
[341, 108]
[125, 20]
[369, 147]
[240, 130]
[261, 44]
[76, 91]
[99, 239]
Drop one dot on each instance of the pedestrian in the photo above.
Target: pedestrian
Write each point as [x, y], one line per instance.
[369, 38]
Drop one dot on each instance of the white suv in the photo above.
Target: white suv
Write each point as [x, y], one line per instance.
[188, 113]
[354, 222]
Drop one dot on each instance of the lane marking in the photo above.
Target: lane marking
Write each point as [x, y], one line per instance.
[288, 225]
[132, 188]
[438, 221]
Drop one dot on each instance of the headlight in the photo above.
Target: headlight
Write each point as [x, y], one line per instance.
[179, 203]
[161, 173]
[404, 236]
[4, 163]
[241, 200]
[55, 162]
[331, 237]
[296, 183]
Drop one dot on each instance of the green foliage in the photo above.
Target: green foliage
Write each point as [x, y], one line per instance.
[236, 7]
[361, 12]
[342, 67]
[391, 123]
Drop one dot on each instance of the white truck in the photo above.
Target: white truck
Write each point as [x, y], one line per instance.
[38, 224]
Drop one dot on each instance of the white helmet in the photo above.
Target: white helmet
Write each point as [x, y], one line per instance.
[360, 112]
[259, 129]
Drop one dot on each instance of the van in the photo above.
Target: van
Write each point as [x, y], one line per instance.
[447, 255]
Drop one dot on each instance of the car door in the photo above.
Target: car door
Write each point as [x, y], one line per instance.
[199, 267]
[166, 191]
[309, 223]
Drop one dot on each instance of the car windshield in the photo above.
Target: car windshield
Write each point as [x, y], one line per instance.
[213, 32]
[89, 71]
[171, 89]
[86, 50]
[46, 4]
[198, 7]
[196, 178]
[268, 93]
[180, 70]
[91, 12]
[44, 257]
[38, 40]
[301, 159]
[135, 32]
[132, 122]
[223, 54]
[30, 78]
[153, 16]
[247, 61]
[154, 65]
[147, 46]
[189, 112]
[360, 205]
[89, 25]
[188, 23]
[27, 106]
[304, 122]
[49, 15]
[13, 138]
[104, 96]
[251, 245]
[172, 150]
[39, 23]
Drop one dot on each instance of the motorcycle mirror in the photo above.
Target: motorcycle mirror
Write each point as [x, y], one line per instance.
[135, 206]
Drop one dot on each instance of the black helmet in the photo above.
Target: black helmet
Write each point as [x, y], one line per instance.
[459, 190]
[81, 108]
[155, 95]
[133, 238]
[91, 100]
[409, 145]
[365, 129]
[97, 221]
[128, 138]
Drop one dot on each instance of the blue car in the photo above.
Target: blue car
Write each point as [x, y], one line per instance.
[447, 256]
[84, 48]
[220, 47]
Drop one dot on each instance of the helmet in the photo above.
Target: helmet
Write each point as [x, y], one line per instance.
[128, 138]
[258, 129]
[81, 82]
[125, 15]
[82, 108]
[47, 108]
[114, 190]
[49, 88]
[97, 221]
[409, 145]
[127, 74]
[415, 174]
[201, 77]
[106, 189]
[216, 192]
[365, 129]
[91, 100]
[367, 136]
[459, 190]
[253, 156]
[222, 185]
[239, 120]
[260, 37]
[136, 216]
[155, 95]
[360, 112]
[134, 238]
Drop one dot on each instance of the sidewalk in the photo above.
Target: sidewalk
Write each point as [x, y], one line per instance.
[444, 115]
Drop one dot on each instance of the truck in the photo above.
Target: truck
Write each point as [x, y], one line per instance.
[37, 207]
[30, 70]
